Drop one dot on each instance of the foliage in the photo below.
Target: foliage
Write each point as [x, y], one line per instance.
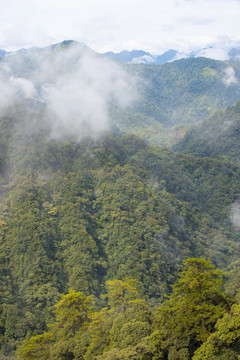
[188, 317]
[82, 214]
[217, 136]
[72, 316]
[224, 343]
[127, 329]
[174, 95]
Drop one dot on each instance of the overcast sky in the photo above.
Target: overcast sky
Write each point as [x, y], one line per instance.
[151, 25]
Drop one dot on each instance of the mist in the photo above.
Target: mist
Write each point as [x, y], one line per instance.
[13, 89]
[76, 85]
[229, 77]
[235, 214]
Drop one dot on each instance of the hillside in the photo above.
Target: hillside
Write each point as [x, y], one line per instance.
[217, 136]
[177, 94]
[110, 248]
[155, 102]
[76, 214]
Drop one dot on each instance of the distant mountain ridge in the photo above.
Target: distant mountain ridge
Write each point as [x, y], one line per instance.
[142, 57]
[223, 49]
[170, 98]
[216, 51]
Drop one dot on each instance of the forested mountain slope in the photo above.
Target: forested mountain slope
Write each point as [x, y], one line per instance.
[125, 238]
[162, 99]
[188, 90]
[76, 214]
[176, 94]
[217, 136]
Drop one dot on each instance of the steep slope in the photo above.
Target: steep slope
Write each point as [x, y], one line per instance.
[187, 90]
[218, 136]
[155, 102]
[177, 94]
[78, 210]
[75, 214]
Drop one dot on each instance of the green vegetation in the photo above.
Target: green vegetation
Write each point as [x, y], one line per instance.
[175, 95]
[217, 136]
[126, 328]
[111, 249]
[81, 215]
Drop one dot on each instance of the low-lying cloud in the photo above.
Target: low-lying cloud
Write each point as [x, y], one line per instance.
[229, 77]
[235, 214]
[13, 89]
[77, 86]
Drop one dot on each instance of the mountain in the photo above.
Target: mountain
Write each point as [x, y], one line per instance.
[76, 214]
[118, 245]
[3, 53]
[134, 56]
[169, 55]
[217, 51]
[169, 98]
[224, 49]
[176, 95]
[234, 53]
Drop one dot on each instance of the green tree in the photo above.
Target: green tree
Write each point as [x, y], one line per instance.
[189, 316]
[72, 317]
[121, 294]
[224, 343]
[37, 347]
[123, 323]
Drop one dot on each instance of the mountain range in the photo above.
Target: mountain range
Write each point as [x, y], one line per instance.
[221, 50]
[170, 96]
[111, 240]
[218, 51]
[142, 57]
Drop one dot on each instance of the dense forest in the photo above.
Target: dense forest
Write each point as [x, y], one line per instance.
[115, 249]
[176, 95]
[216, 136]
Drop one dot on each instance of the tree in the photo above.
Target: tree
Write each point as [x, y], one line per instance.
[224, 343]
[123, 323]
[121, 294]
[189, 316]
[72, 315]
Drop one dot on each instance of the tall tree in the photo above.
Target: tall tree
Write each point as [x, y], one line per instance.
[189, 316]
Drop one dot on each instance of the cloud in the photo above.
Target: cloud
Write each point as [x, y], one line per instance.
[197, 20]
[77, 86]
[214, 53]
[81, 97]
[229, 77]
[13, 89]
[235, 214]
[145, 59]
[151, 25]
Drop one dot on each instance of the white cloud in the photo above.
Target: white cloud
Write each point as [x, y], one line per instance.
[235, 214]
[151, 25]
[13, 88]
[179, 56]
[145, 59]
[23, 87]
[77, 86]
[229, 77]
[81, 98]
[215, 53]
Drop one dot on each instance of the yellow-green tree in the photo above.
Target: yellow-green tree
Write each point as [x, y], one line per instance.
[188, 317]
[72, 318]
[224, 343]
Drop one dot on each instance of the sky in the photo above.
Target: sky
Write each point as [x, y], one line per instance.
[104, 25]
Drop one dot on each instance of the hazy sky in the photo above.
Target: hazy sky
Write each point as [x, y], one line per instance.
[152, 25]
